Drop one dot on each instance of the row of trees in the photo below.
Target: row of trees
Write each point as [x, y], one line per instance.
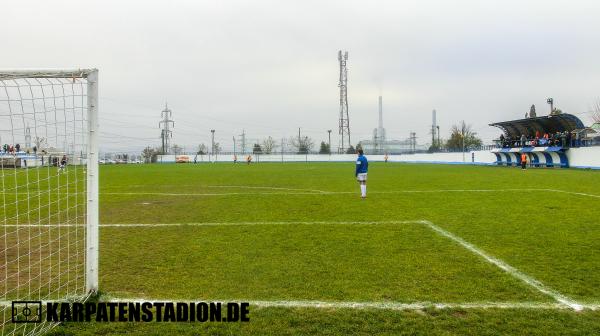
[461, 136]
[300, 145]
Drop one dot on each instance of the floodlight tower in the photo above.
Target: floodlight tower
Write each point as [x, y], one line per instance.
[166, 134]
[344, 120]
[551, 102]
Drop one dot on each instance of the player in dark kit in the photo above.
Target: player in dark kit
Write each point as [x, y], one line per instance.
[63, 164]
[362, 166]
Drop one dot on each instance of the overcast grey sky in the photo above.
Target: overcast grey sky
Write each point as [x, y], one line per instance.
[270, 67]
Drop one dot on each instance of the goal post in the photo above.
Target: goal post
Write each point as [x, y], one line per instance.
[49, 217]
[92, 238]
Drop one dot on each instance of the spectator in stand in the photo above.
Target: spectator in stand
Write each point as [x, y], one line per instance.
[17, 148]
[546, 140]
[537, 134]
[501, 140]
[523, 139]
[569, 139]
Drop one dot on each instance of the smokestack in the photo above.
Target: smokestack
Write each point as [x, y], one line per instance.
[433, 126]
[380, 112]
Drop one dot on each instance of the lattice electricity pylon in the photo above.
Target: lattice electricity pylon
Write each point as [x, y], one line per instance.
[166, 134]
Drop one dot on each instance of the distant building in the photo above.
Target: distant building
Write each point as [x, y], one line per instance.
[380, 145]
[393, 147]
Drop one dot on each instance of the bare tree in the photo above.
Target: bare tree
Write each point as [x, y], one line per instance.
[202, 149]
[268, 145]
[596, 111]
[176, 149]
[303, 145]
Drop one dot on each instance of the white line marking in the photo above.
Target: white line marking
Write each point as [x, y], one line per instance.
[574, 193]
[258, 187]
[269, 223]
[507, 268]
[294, 191]
[321, 192]
[383, 305]
[562, 299]
[225, 224]
[205, 194]
[388, 305]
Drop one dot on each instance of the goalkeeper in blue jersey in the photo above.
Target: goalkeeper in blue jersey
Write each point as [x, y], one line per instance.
[362, 166]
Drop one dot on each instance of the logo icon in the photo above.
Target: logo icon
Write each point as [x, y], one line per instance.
[27, 311]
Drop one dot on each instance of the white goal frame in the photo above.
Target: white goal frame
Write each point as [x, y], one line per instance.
[92, 212]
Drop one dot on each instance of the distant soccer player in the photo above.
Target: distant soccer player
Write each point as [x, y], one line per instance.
[63, 163]
[362, 166]
[523, 161]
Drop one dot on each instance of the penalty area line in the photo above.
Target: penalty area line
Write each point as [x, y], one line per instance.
[561, 298]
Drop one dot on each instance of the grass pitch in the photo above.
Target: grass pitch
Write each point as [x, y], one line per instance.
[294, 234]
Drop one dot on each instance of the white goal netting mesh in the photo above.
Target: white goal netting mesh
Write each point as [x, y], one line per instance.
[43, 153]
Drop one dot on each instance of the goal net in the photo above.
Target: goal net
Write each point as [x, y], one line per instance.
[48, 194]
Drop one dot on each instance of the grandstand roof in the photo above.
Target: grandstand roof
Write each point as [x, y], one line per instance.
[546, 124]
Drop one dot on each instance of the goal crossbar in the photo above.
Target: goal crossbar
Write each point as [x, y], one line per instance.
[46, 73]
